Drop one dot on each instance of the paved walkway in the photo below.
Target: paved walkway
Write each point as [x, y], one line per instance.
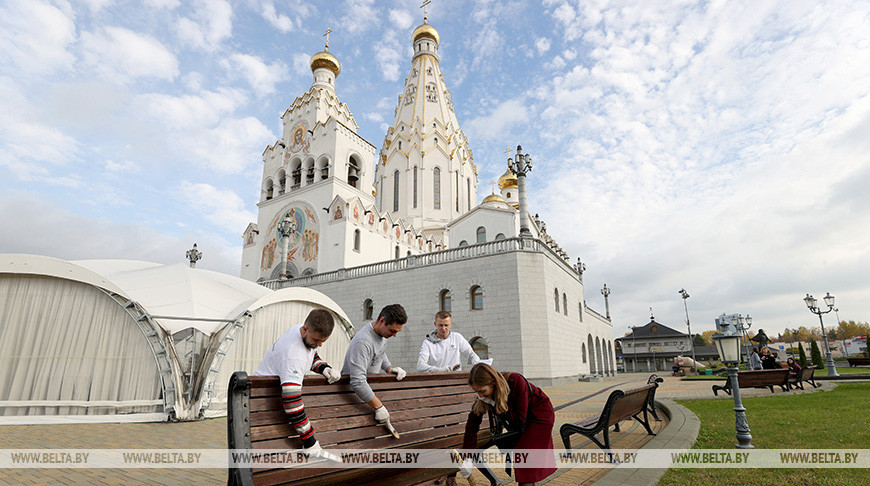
[676, 430]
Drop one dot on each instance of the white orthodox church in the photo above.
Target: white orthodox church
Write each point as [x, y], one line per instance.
[402, 224]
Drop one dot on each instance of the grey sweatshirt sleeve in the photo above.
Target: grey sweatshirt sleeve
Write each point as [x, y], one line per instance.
[356, 361]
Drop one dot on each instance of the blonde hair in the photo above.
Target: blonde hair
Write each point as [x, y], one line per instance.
[483, 374]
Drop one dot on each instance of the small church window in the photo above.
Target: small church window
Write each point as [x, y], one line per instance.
[463, 243]
[499, 236]
[481, 235]
[480, 347]
[583, 352]
[368, 309]
[556, 297]
[564, 304]
[396, 191]
[397, 252]
[476, 297]
[436, 181]
[468, 193]
[415, 186]
[356, 240]
[445, 300]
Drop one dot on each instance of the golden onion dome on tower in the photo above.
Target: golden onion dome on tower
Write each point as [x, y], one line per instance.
[324, 59]
[493, 198]
[426, 30]
[508, 179]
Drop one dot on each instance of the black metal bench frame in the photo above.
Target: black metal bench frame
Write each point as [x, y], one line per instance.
[763, 378]
[806, 377]
[601, 423]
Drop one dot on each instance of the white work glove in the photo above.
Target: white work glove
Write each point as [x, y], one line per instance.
[381, 414]
[331, 375]
[400, 373]
[317, 452]
[466, 468]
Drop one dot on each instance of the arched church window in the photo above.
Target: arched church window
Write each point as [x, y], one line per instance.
[480, 347]
[564, 304]
[481, 234]
[556, 297]
[397, 252]
[396, 191]
[476, 297]
[463, 243]
[499, 236]
[352, 171]
[468, 194]
[415, 186]
[445, 299]
[368, 309]
[356, 240]
[436, 182]
[583, 352]
[457, 191]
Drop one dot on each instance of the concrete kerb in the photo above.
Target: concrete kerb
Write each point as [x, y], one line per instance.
[680, 433]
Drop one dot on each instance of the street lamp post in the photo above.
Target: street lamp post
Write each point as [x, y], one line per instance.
[742, 324]
[845, 351]
[811, 305]
[653, 351]
[520, 167]
[728, 344]
[286, 228]
[685, 296]
[606, 293]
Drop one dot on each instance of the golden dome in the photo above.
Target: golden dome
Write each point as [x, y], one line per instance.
[426, 30]
[492, 198]
[508, 179]
[324, 59]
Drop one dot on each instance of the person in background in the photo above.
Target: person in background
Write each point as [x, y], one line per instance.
[443, 349]
[754, 360]
[794, 370]
[768, 362]
[293, 355]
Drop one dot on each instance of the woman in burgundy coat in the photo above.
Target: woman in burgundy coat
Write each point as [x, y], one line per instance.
[521, 405]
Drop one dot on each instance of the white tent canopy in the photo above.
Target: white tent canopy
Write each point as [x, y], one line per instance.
[106, 337]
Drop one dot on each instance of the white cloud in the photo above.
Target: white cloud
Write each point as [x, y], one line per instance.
[279, 21]
[35, 37]
[542, 44]
[125, 166]
[213, 23]
[301, 64]
[120, 54]
[497, 124]
[221, 207]
[388, 59]
[361, 16]
[89, 238]
[261, 76]
[401, 18]
[163, 4]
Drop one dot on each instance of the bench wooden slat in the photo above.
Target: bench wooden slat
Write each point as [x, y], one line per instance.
[620, 405]
[274, 388]
[745, 379]
[315, 410]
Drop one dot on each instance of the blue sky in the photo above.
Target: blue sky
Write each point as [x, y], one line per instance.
[717, 146]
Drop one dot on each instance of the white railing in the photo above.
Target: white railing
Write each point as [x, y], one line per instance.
[425, 259]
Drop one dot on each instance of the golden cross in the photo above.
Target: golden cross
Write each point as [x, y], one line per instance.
[507, 150]
[425, 10]
[492, 185]
[328, 31]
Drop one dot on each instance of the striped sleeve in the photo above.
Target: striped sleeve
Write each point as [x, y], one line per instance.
[291, 396]
[319, 364]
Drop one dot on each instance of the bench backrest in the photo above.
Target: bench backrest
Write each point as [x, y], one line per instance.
[807, 372]
[429, 410]
[762, 377]
[632, 402]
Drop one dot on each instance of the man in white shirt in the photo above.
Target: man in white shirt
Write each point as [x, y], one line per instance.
[443, 350]
[291, 357]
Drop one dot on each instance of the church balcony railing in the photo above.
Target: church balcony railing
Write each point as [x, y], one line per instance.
[425, 259]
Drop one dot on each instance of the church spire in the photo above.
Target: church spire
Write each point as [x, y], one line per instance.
[325, 67]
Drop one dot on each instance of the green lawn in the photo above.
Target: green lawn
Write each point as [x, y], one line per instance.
[837, 419]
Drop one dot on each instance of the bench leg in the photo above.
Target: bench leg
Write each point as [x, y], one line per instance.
[566, 439]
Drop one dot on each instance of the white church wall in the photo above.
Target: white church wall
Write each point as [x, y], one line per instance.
[494, 221]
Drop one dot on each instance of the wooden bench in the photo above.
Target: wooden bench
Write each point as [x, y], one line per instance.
[429, 410]
[621, 405]
[768, 378]
[806, 376]
[858, 362]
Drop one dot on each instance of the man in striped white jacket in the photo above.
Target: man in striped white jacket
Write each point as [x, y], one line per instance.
[293, 355]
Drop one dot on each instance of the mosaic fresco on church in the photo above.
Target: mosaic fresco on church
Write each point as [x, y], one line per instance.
[356, 212]
[303, 237]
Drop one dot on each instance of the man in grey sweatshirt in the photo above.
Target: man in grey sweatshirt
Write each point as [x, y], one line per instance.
[367, 354]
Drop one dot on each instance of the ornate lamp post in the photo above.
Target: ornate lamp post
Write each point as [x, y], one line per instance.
[728, 345]
[287, 227]
[606, 293]
[811, 304]
[685, 296]
[193, 255]
[520, 167]
[742, 324]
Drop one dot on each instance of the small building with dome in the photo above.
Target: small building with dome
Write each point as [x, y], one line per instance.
[401, 224]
